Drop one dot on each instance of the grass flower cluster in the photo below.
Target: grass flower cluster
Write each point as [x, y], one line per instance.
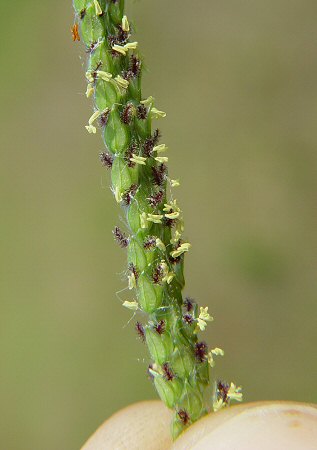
[137, 159]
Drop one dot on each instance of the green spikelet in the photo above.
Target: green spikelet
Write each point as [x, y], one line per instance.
[155, 245]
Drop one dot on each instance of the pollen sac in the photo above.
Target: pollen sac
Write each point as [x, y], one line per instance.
[116, 134]
[150, 297]
[136, 255]
[92, 28]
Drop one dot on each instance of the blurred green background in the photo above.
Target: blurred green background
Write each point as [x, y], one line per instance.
[238, 80]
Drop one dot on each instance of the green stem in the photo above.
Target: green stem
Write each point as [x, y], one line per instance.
[140, 181]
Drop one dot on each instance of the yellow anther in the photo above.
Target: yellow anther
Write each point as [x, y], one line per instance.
[175, 183]
[214, 352]
[169, 278]
[118, 195]
[180, 250]
[155, 218]
[89, 76]
[218, 404]
[89, 90]
[160, 245]
[235, 393]
[90, 128]
[155, 370]
[203, 318]
[204, 315]
[138, 159]
[148, 101]
[172, 215]
[97, 8]
[201, 325]
[217, 351]
[172, 206]
[157, 114]
[161, 159]
[180, 226]
[119, 49]
[125, 24]
[164, 267]
[132, 281]
[143, 220]
[210, 359]
[176, 237]
[131, 305]
[105, 76]
[121, 82]
[160, 148]
[130, 46]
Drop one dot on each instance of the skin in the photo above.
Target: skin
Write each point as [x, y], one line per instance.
[250, 426]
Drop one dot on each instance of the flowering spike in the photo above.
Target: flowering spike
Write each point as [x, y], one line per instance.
[141, 185]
